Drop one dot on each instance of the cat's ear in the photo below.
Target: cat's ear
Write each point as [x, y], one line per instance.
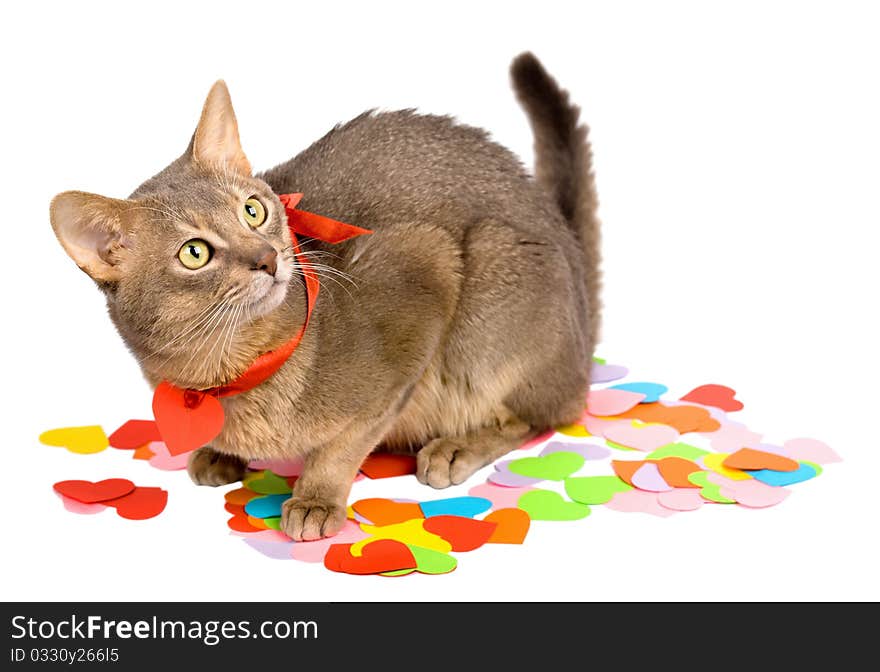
[91, 230]
[216, 140]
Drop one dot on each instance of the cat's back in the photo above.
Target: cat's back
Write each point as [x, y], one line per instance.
[413, 165]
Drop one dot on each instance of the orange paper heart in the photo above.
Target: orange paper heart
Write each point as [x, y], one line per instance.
[749, 458]
[511, 526]
[380, 511]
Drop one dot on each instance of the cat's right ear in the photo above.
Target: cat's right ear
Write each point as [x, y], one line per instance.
[216, 141]
[91, 230]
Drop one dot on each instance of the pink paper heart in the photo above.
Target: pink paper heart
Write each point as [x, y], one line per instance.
[811, 450]
[681, 499]
[638, 501]
[285, 468]
[500, 496]
[164, 460]
[612, 402]
[647, 438]
[754, 494]
[538, 440]
[600, 426]
[314, 551]
[647, 477]
[78, 507]
[731, 437]
[274, 536]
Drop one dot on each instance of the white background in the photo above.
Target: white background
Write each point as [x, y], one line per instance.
[738, 163]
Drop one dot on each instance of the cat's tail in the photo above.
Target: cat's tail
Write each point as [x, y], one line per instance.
[563, 162]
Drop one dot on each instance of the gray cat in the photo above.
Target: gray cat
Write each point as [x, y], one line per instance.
[462, 326]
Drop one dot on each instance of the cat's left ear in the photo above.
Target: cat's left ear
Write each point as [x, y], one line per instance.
[216, 141]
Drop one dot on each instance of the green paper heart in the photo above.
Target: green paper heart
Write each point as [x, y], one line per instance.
[552, 467]
[594, 489]
[428, 561]
[815, 467]
[599, 360]
[684, 450]
[266, 483]
[273, 523]
[549, 505]
[709, 490]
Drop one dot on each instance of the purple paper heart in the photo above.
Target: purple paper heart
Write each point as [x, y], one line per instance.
[503, 476]
[605, 373]
[588, 451]
[271, 549]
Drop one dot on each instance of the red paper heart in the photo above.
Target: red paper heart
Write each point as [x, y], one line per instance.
[140, 503]
[91, 493]
[382, 555]
[187, 420]
[465, 534]
[134, 434]
[718, 396]
[239, 522]
[386, 465]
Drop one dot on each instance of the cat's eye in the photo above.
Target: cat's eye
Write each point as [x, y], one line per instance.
[254, 212]
[194, 254]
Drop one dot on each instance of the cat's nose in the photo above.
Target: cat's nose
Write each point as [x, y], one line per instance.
[267, 261]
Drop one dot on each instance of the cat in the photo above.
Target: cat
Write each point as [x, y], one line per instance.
[461, 327]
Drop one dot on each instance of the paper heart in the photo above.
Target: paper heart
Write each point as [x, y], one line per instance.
[594, 489]
[380, 511]
[464, 534]
[387, 465]
[588, 451]
[501, 497]
[811, 450]
[266, 483]
[641, 436]
[240, 496]
[612, 402]
[552, 467]
[134, 434]
[239, 523]
[732, 436]
[638, 501]
[549, 505]
[684, 418]
[754, 494]
[455, 506]
[718, 396]
[675, 471]
[709, 490]
[626, 468]
[140, 503]
[267, 506]
[538, 440]
[75, 506]
[715, 462]
[427, 562]
[273, 550]
[681, 499]
[283, 468]
[503, 476]
[407, 532]
[605, 373]
[314, 551]
[81, 440]
[647, 477]
[92, 493]
[683, 450]
[511, 526]
[749, 458]
[186, 420]
[652, 391]
[164, 460]
[142, 453]
[804, 472]
[382, 555]
[574, 430]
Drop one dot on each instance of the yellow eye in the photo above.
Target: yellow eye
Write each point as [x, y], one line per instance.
[194, 254]
[254, 212]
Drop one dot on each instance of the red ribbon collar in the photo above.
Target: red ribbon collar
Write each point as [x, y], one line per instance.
[190, 419]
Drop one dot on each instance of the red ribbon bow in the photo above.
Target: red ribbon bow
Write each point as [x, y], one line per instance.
[190, 419]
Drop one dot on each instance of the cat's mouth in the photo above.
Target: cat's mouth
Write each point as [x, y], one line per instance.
[268, 297]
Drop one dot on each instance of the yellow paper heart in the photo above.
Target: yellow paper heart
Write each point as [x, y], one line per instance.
[407, 532]
[573, 430]
[81, 440]
[714, 462]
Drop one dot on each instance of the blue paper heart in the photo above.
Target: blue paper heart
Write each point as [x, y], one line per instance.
[781, 478]
[652, 391]
[265, 507]
[455, 506]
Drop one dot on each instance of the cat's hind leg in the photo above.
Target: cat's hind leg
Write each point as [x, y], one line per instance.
[208, 467]
[446, 461]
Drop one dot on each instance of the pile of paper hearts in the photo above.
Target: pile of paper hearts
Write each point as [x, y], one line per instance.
[130, 501]
[382, 536]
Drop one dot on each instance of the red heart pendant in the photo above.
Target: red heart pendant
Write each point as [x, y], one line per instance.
[90, 493]
[187, 420]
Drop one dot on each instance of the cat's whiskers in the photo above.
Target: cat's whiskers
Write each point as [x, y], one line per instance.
[216, 321]
[203, 317]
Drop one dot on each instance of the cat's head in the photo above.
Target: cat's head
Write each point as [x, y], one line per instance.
[194, 256]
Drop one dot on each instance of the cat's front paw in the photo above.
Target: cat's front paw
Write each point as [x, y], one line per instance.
[208, 467]
[445, 462]
[307, 519]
